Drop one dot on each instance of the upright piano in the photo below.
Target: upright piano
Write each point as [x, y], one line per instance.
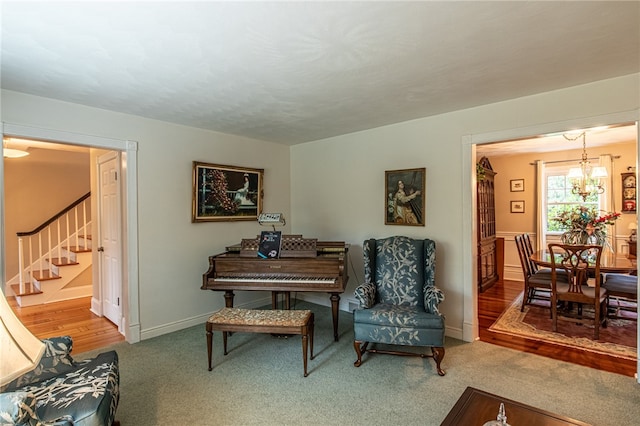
[304, 264]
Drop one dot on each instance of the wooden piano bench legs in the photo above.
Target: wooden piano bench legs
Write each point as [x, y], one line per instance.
[262, 321]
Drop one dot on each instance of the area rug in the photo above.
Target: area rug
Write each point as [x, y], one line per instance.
[617, 339]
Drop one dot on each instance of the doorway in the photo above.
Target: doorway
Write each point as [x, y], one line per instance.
[470, 145]
[130, 307]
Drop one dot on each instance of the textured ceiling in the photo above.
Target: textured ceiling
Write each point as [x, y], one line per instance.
[292, 72]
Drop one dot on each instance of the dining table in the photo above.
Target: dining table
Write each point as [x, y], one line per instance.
[609, 261]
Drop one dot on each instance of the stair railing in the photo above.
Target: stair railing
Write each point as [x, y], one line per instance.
[68, 231]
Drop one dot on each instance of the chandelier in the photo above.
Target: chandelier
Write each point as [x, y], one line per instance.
[586, 180]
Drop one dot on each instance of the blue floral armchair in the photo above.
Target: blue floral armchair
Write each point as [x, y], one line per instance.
[399, 299]
[63, 392]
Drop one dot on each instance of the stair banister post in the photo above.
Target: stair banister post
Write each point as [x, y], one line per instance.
[84, 221]
[40, 251]
[31, 258]
[49, 246]
[75, 215]
[21, 266]
[59, 245]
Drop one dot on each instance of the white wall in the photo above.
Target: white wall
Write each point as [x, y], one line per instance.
[173, 252]
[337, 184]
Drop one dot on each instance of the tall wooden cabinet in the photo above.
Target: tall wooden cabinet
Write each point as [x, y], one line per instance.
[486, 213]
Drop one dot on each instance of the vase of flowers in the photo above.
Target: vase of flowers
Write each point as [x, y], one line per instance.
[585, 225]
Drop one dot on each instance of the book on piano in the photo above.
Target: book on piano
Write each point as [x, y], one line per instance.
[269, 246]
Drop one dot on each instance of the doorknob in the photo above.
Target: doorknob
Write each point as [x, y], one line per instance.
[100, 248]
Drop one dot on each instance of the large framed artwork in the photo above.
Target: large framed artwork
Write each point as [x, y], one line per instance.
[226, 193]
[405, 197]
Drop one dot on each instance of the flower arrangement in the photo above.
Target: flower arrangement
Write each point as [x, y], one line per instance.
[585, 225]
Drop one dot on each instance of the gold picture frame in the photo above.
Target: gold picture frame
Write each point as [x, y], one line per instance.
[405, 197]
[226, 193]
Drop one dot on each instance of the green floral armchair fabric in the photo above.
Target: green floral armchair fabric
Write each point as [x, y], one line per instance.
[63, 392]
[399, 300]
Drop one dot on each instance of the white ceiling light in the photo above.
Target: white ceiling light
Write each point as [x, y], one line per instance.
[14, 153]
[11, 152]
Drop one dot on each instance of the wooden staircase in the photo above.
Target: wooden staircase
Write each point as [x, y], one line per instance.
[60, 280]
[61, 243]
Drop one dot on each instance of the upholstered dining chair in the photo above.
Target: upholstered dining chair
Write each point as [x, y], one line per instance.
[620, 286]
[581, 264]
[399, 300]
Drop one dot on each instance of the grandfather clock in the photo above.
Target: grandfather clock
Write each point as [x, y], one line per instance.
[486, 213]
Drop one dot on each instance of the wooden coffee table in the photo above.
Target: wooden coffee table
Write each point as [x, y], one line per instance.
[476, 407]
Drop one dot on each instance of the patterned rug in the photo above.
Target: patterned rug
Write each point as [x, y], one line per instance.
[617, 339]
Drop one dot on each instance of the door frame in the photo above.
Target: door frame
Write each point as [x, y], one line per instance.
[470, 330]
[129, 149]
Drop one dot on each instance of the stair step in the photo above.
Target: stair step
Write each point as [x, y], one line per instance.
[78, 249]
[62, 261]
[44, 275]
[30, 290]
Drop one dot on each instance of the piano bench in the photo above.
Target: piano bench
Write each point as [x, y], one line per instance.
[280, 321]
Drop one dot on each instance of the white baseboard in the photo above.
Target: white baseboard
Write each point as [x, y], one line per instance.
[151, 332]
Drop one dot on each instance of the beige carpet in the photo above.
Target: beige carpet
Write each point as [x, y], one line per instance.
[512, 322]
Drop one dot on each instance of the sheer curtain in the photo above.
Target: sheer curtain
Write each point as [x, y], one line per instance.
[541, 201]
[607, 198]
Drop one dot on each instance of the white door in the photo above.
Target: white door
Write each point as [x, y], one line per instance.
[110, 239]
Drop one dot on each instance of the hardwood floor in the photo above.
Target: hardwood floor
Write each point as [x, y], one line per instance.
[73, 318]
[493, 301]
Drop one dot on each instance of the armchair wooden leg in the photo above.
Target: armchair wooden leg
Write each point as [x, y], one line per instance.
[438, 355]
[360, 347]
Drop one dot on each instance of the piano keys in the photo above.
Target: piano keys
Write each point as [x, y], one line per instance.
[304, 265]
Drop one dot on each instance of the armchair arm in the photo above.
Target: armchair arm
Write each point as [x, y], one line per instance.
[365, 294]
[19, 408]
[432, 298]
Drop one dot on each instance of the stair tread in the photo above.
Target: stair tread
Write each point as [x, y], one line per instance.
[62, 261]
[78, 249]
[44, 275]
[30, 290]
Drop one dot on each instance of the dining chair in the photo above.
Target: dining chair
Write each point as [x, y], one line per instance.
[621, 286]
[581, 265]
[537, 281]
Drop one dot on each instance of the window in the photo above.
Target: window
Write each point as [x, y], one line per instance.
[559, 197]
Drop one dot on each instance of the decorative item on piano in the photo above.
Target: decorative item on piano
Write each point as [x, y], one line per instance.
[271, 219]
[404, 197]
[269, 247]
[225, 193]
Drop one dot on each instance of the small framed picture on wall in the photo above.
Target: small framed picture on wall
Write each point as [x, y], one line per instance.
[404, 197]
[517, 206]
[517, 185]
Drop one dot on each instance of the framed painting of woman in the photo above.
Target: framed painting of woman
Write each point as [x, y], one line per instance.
[225, 193]
[405, 197]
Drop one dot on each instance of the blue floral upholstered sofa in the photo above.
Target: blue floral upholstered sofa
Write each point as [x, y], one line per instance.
[63, 392]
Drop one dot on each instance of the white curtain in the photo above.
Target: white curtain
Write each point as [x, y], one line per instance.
[607, 198]
[541, 189]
